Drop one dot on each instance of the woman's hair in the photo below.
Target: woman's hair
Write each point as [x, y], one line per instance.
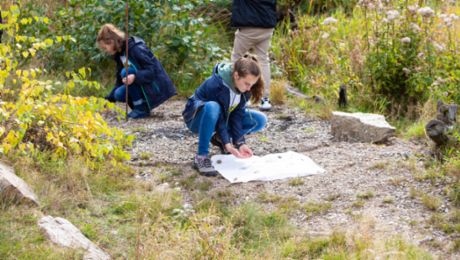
[248, 64]
[109, 33]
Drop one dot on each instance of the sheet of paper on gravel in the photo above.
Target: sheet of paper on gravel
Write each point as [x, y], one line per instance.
[269, 167]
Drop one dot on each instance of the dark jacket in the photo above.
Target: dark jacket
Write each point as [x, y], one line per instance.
[156, 85]
[254, 13]
[229, 125]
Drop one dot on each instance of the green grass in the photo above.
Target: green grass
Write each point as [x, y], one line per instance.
[266, 197]
[296, 182]
[332, 197]
[122, 215]
[365, 195]
[316, 208]
[388, 200]
[416, 130]
[379, 166]
[263, 138]
[431, 202]
[255, 229]
[333, 247]
[358, 203]
[448, 223]
[289, 205]
[21, 237]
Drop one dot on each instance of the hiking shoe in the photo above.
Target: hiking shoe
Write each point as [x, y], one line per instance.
[136, 114]
[215, 140]
[204, 166]
[265, 104]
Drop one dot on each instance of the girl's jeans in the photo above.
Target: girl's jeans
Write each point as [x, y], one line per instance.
[204, 124]
[134, 94]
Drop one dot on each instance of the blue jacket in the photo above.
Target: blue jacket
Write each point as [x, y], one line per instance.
[155, 83]
[254, 13]
[229, 125]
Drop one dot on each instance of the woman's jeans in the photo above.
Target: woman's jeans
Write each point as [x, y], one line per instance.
[134, 94]
[204, 124]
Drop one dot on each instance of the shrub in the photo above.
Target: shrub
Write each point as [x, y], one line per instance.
[393, 57]
[35, 119]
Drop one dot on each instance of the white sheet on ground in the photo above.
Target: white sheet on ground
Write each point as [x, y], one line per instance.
[269, 167]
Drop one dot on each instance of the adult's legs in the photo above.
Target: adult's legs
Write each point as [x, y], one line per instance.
[261, 50]
[204, 125]
[241, 44]
[258, 40]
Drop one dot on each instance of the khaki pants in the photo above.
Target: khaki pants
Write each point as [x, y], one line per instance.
[258, 41]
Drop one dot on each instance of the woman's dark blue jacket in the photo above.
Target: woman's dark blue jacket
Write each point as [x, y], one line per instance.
[155, 83]
[229, 125]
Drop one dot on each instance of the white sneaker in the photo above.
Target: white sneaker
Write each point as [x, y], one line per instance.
[265, 104]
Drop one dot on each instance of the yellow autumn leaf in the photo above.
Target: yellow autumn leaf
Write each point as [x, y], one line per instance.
[71, 84]
[48, 41]
[32, 52]
[82, 72]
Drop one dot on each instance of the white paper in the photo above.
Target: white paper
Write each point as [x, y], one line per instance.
[269, 167]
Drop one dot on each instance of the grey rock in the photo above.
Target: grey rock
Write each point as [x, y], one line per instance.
[360, 127]
[15, 189]
[64, 233]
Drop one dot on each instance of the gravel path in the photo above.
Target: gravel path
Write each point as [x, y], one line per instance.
[367, 188]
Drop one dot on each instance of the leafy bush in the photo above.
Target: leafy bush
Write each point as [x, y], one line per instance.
[35, 119]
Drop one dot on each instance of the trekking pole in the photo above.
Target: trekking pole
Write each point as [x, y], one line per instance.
[126, 60]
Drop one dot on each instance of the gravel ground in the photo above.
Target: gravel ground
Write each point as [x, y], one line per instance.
[370, 188]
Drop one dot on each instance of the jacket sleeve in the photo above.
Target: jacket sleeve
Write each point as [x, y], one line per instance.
[144, 59]
[118, 81]
[222, 129]
[236, 123]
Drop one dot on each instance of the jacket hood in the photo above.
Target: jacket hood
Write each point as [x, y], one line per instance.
[132, 41]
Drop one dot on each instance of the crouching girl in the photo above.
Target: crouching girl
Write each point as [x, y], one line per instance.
[219, 105]
[148, 84]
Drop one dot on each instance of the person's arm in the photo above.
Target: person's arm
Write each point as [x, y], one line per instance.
[146, 62]
[241, 150]
[235, 122]
[118, 79]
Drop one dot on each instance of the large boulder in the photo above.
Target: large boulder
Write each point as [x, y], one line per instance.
[64, 233]
[360, 127]
[14, 189]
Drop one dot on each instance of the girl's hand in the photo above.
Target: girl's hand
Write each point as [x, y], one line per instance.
[229, 147]
[131, 78]
[245, 151]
